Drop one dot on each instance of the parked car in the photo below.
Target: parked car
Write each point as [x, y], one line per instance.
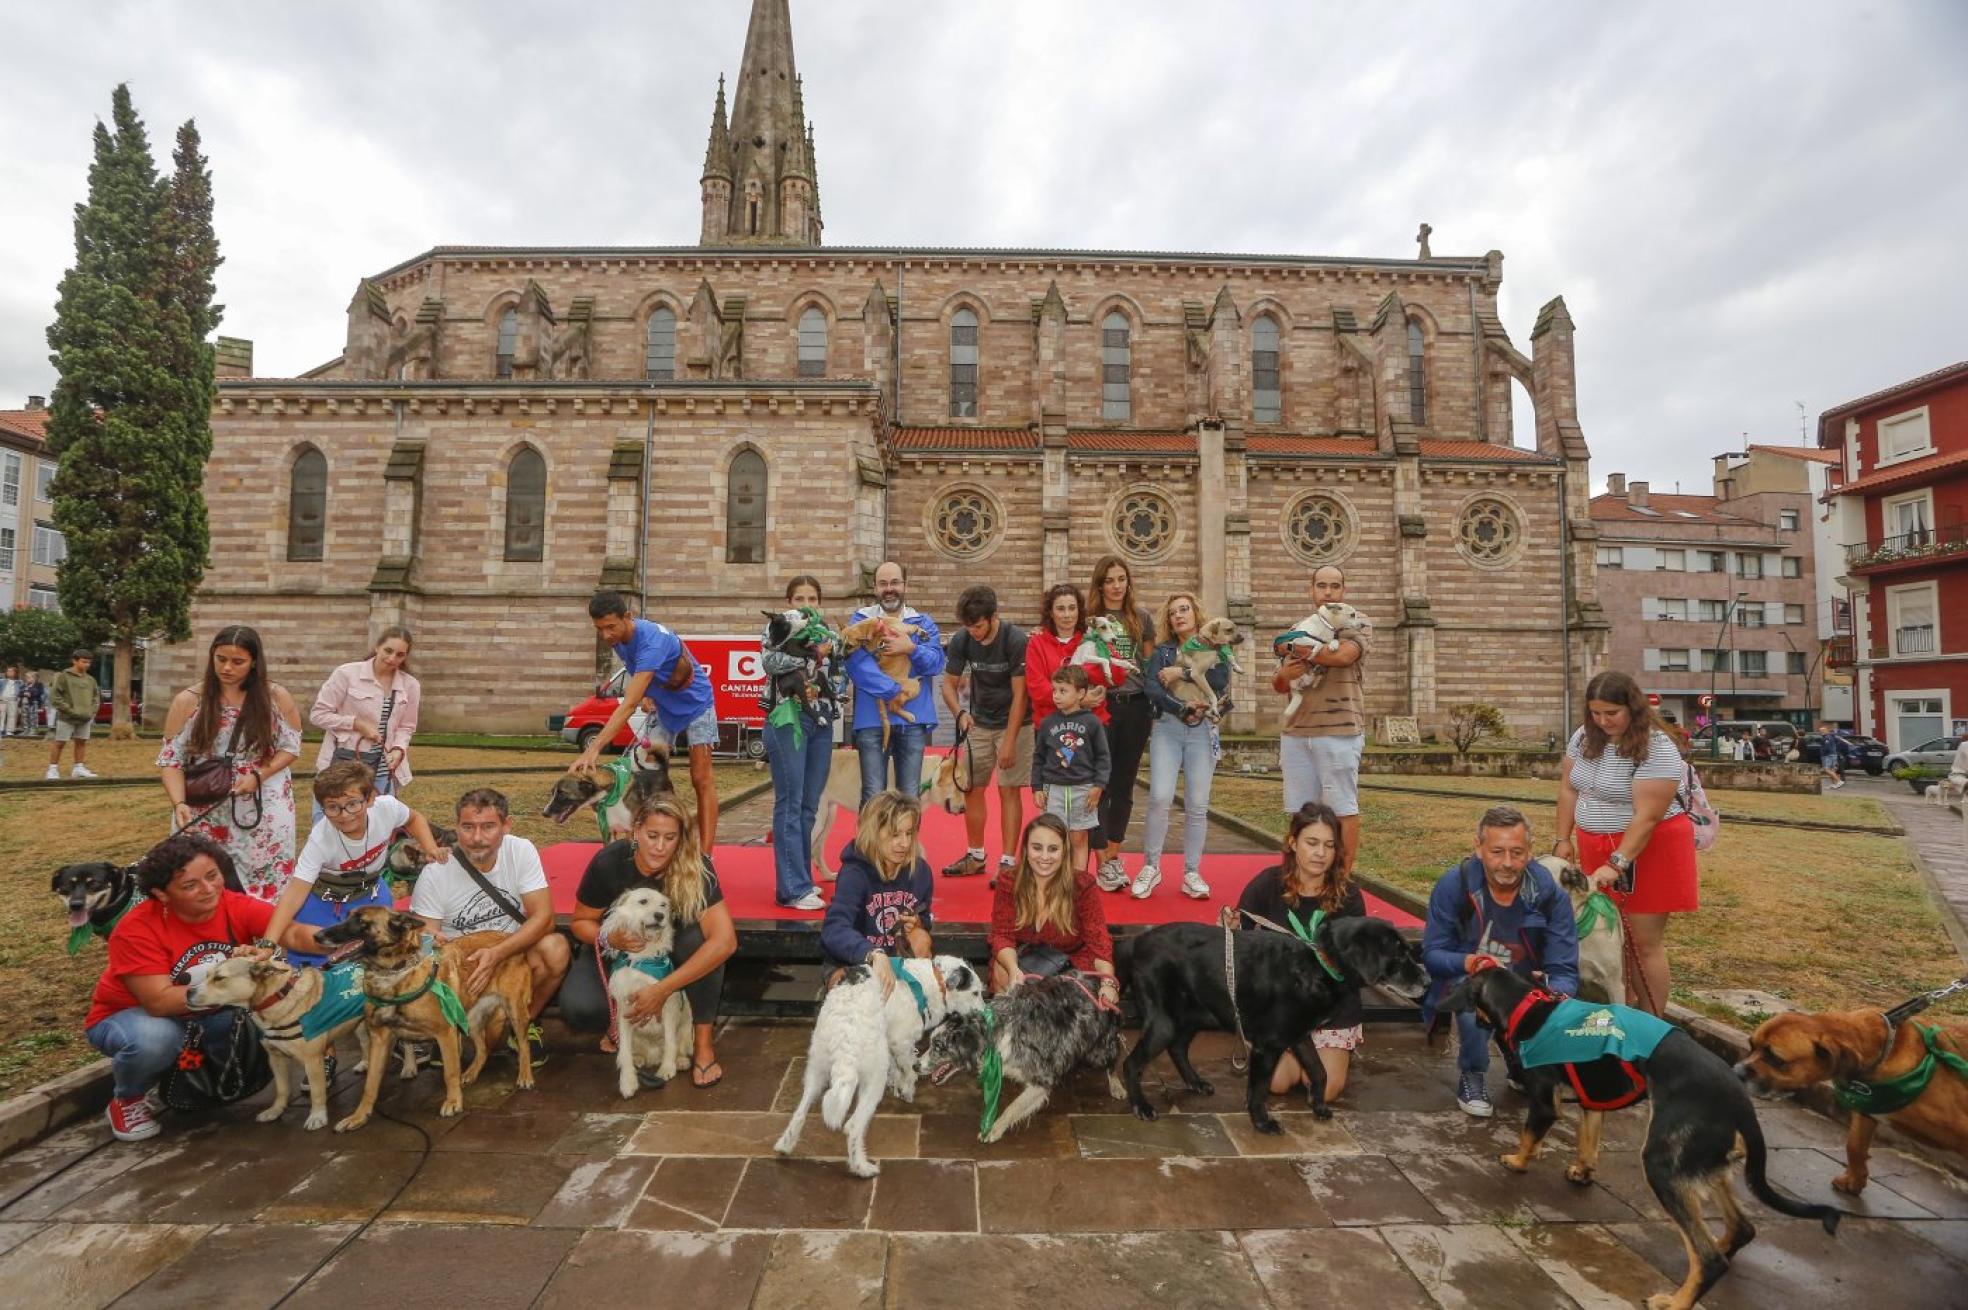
[1871, 751]
[1924, 763]
[583, 723]
[104, 709]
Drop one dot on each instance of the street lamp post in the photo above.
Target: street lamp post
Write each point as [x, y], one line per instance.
[1715, 671]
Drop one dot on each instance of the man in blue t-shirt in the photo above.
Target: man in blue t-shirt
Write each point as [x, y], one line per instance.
[1502, 904]
[659, 667]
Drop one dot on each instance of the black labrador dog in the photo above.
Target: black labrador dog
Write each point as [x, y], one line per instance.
[1699, 1109]
[1175, 975]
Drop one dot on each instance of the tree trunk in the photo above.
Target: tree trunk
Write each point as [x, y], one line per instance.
[120, 727]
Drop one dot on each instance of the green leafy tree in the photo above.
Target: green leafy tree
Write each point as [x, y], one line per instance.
[37, 639]
[1470, 723]
[130, 419]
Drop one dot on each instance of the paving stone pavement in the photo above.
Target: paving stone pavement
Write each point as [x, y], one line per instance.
[570, 1196]
[1940, 834]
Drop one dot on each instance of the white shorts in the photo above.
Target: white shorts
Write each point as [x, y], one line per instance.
[1322, 769]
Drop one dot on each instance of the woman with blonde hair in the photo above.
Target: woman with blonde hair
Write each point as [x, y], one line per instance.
[881, 905]
[1047, 916]
[661, 847]
[1182, 742]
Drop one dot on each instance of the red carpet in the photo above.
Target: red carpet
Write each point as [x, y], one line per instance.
[746, 875]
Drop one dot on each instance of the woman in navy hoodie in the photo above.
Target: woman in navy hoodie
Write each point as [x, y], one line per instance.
[881, 898]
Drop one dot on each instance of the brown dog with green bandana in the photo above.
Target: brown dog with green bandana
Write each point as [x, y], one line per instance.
[414, 991]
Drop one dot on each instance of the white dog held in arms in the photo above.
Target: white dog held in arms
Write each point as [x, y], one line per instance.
[863, 1046]
[642, 917]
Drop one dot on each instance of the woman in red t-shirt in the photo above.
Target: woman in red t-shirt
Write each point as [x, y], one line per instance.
[1044, 903]
[191, 914]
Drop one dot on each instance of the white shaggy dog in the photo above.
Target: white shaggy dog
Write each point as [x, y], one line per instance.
[863, 1046]
[660, 1044]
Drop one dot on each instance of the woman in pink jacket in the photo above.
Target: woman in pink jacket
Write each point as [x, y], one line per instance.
[367, 711]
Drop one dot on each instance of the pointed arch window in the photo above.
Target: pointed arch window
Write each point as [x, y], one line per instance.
[744, 510]
[963, 364]
[508, 341]
[1267, 397]
[1417, 373]
[1116, 366]
[813, 344]
[659, 363]
[526, 506]
[307, 506]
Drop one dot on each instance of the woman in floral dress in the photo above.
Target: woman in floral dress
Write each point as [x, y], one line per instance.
[238, 713]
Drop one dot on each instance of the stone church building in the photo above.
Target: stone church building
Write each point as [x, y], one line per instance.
[510, 428]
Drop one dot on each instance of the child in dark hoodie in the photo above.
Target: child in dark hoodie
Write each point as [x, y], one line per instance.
[881, 904]
[1070, 760]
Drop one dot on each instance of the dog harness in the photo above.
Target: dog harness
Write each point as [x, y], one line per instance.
[621, 772]
[1596, 1045]
[1894, 1094]
[447, 1001]
[340, 1001]
[657, 967]
[78, 937]
[1597, 912]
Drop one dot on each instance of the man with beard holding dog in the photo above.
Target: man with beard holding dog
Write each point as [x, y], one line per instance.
[494, 882]
[1497, 905]
[191, 914]
[872, 687]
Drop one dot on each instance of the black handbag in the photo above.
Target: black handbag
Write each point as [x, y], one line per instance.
[1042, 961]
[198, 1081]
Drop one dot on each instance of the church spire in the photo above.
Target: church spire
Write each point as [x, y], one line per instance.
[717, 156]
[767, 159]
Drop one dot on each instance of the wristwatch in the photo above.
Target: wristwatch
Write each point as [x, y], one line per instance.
[263, 943]
[1620, 862]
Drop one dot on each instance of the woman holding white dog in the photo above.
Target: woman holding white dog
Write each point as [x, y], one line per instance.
[661, 848]
[1621, 818]
[882, 898]
[1046, 917]
[1307, 886]
[1183, 743]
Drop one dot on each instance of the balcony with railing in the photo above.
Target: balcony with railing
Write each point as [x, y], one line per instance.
[1906, 549]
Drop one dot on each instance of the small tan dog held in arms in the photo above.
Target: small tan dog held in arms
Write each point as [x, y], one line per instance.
[1187, 680]
[872, 635]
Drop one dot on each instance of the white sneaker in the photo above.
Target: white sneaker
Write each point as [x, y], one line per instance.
[1112, 877]
[1836, 785]
[1145, 882]
[54, 773]
[810, 901]
[81, 771]
[1194, 887]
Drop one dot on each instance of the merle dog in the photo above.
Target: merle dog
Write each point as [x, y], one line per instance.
[1284, 991]
[1697, 1111]
[1044, 1030]
[794, 684]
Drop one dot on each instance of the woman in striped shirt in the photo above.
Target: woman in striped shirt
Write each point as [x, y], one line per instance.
[1620, 817]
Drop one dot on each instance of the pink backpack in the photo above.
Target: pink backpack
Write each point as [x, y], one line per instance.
[1694, 800]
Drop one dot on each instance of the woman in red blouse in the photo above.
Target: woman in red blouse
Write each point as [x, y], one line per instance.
[1044, 903]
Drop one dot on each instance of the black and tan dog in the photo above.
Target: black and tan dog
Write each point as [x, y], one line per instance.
[1795, 1051]
[413, 992]
[1284, 990]
[615, 790]
[96, 894]
[1699, 1111]
[406, 858]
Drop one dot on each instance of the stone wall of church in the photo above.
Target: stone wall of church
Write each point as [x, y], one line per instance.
[937, 576]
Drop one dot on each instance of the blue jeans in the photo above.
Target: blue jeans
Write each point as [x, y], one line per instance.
[1472, 1044]
[1177, 747]
[141, 1046]
[905, 748]
[799, 778]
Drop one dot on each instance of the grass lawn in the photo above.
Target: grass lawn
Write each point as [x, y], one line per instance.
[47, 990]
[24, 760]
[1757, 804]
[1824, 920]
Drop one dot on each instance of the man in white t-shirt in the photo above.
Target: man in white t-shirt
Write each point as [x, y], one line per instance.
[452, 903]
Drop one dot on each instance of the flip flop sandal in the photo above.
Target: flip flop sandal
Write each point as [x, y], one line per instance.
[697, 1070]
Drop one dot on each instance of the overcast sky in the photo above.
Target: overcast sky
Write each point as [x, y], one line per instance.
[1745, 206]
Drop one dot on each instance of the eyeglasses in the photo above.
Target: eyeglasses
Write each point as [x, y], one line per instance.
[345, 807]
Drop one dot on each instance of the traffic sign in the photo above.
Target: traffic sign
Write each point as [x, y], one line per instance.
[1653, 698]
[1707, 700]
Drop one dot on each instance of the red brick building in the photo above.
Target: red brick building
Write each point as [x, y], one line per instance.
[1902, 512]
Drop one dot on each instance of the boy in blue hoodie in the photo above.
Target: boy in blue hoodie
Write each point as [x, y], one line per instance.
[1500, 903]
[881, 904]
[871, 687]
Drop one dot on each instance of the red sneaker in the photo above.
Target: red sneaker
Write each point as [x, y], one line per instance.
[130, 1120]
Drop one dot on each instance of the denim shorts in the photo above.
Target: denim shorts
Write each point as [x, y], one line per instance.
[700, 731]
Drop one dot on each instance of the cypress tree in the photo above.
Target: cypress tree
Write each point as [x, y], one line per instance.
[130, 419]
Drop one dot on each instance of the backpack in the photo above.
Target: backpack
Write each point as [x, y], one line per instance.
[1694, 800]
